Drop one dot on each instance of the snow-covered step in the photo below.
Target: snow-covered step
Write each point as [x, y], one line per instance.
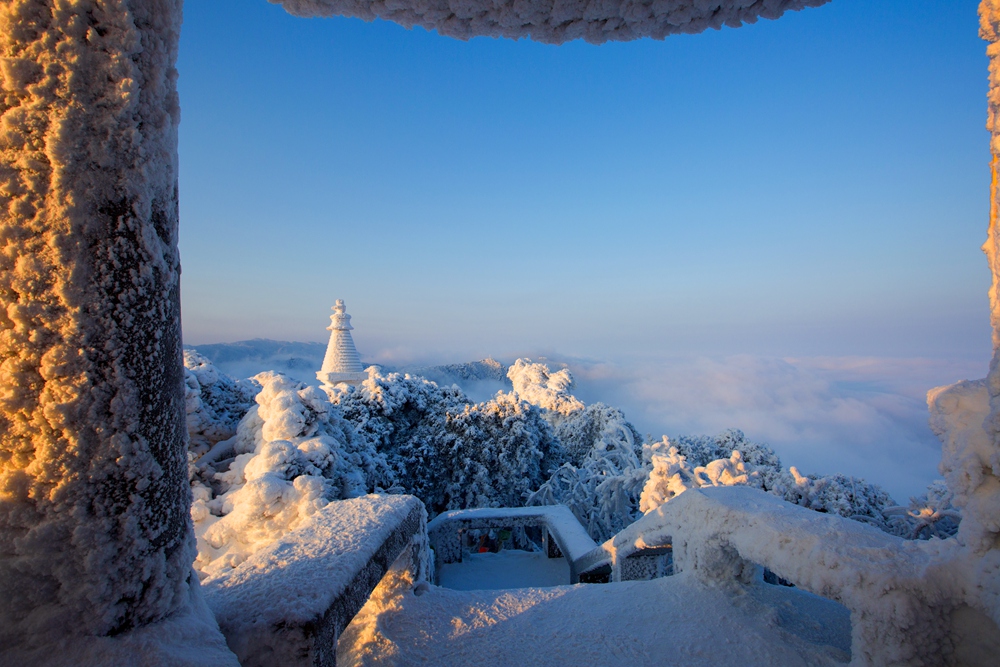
[671, 621]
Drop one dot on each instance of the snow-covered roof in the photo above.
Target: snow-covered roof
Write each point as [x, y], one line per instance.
[564, 527]
[555, 21]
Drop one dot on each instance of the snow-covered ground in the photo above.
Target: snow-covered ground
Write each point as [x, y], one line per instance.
[669, 621]
[506, 569]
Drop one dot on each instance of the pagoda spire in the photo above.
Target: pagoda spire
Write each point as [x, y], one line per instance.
[341, 365]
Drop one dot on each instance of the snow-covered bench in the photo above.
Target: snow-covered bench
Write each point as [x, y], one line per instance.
[557, 522]
[909, 600]
[287, 604]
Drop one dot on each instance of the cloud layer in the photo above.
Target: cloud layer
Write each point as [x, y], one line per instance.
[865, 417]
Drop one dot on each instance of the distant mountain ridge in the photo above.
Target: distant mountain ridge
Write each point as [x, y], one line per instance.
[246, 358]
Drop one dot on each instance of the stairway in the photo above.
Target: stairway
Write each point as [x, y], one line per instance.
[670, 621]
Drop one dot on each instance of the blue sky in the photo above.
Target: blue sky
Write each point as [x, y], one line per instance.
[812, 187]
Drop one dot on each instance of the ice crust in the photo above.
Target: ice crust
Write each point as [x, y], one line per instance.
[189, 637]
[95, 536]
[981, 487]
[555, 22]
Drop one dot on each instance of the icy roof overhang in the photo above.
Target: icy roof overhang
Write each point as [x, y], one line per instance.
[555, 21]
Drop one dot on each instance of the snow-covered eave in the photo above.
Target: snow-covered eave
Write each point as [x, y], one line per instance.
[572, 538]
[554, 22]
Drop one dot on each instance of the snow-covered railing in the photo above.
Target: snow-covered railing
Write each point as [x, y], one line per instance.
[447, 531]
[905, 597]
[287, 604]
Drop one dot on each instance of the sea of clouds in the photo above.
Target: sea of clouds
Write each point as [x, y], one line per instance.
[865, 417]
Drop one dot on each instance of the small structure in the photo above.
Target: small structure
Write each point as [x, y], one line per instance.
[341, 365]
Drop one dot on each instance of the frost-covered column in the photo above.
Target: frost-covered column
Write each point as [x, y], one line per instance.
[981, 523]
[94, 527]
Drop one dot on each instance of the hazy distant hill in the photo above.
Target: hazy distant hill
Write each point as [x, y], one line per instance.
[249, 357]
[479, 379]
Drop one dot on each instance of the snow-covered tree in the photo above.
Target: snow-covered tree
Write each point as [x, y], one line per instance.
[444, 449]
[578, 427]
[849, 497]
[497, 453]
[405, 418]
[536, 384]
[929, 515]
[603, 490]
[292, 453]
[214, 403]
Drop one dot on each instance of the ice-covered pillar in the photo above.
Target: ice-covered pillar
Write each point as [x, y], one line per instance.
[983, 494]
[94, 501]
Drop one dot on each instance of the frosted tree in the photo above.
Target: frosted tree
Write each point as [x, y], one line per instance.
[536, 384]
[578, 427]
[603, 490]
[931, 514]
[669, 477]
[405, 418]
[444, 449]
[594, 427]
[496, 453]
[214, 403]
[292, 454]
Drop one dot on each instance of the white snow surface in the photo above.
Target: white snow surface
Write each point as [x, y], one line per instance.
[189, 637]
[669, 621]
[508, 568]
[296, 578]
[911, 601]
[555, 22]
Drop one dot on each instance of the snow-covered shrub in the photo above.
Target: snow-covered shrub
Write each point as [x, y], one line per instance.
[849, 497]
[701, 450]
[444, 449]
[929, 515]
[214, 402]
[669, 477]
[612, 487]
[291, 455]
[534, 383]
[836, 494]
[404, 417]
[579, 428]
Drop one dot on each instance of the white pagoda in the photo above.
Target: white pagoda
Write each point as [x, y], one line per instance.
[341, 365]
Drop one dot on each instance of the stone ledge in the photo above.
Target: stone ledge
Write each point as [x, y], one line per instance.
[287, 604]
